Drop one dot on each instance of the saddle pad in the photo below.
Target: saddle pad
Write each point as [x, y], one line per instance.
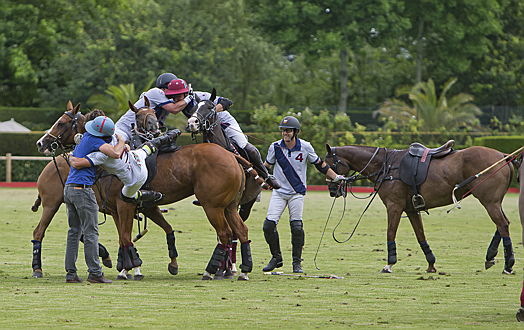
[414, 170]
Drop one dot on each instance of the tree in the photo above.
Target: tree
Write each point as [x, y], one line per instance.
[431, 112]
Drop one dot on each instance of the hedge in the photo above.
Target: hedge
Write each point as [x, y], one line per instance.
[506, 144]
[33, 118]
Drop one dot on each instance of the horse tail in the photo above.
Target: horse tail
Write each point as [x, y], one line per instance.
[248, 167]
[37, 203]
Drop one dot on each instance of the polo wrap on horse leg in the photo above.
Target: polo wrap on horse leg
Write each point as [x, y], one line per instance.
[37, 254]
[218, 256]
[392, 253]
[128, 258]
[509, 257]
[170, 239]
[430, 257]
[272, 239]
[247, 260]
[493, 248]
[297, 240]
[234, 244]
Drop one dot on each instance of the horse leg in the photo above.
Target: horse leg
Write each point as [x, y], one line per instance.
[499, 218]
[394, 213]
[156, 216]
[217, 219]
[128, 257]
[241, 231]
[49, 211]
[416, 222]
[493, 250]
[244, 212]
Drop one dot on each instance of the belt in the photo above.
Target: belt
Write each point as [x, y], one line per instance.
[78, 185]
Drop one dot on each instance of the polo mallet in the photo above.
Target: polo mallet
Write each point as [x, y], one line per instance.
[329, 277]
[473, 177]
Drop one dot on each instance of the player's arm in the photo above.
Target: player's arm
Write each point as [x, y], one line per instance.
[79, 163]
[175, 107]
[113, 151]
[324, 168]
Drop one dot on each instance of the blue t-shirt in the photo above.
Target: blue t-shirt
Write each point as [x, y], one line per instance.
[86, 175]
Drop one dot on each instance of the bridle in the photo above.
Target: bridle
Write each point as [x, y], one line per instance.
[57, 143]
[141, 130]
[207, 121]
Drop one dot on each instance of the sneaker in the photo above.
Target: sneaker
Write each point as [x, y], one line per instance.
[297, 267]
[73, 279]
[98, 279]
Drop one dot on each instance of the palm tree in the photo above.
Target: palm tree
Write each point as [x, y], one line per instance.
[115, 99]
[431, 112]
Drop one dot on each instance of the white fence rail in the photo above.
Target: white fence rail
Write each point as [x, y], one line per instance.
[9, 163]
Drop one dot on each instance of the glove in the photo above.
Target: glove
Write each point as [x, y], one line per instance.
[188, 99]
[339, 178]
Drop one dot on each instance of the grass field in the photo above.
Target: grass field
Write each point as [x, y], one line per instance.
[462, 294]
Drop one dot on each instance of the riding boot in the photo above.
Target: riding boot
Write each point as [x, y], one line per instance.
[144, 196]
[272, 239]
[258, 165]
[297, 242]
[166, 139]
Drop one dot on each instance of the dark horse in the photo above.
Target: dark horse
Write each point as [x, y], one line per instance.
[204, 120]
[50, 184]
[190, 170]
[382, 167]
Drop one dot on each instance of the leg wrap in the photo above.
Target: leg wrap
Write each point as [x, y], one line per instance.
[128, 258]
[493, 248]
[102, 251]
[509, 258]
[170, 238]
[430, 257]
[392, 253]
[297, 239]
[218, 256]
[120, 261]
[272, 239]
[37, 254]
[134, 257]
[247, 261]
[234, 251]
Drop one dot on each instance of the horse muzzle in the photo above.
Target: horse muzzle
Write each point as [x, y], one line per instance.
[193, 125]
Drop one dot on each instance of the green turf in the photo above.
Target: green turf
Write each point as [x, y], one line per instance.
[461, 295]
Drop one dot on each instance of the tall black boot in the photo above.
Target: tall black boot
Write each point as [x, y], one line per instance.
[144, 196]
[272, 239]
[166, 139]
[297, 242]
[258, 165]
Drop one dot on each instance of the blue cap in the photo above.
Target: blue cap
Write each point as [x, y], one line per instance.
[101, 126]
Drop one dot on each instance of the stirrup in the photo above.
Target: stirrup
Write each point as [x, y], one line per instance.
[418, 202]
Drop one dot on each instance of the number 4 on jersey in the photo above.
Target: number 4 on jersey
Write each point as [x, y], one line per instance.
[299, 157]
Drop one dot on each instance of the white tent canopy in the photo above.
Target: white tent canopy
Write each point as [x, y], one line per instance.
[11, 126]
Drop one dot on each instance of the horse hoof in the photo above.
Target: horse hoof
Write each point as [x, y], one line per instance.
[107, 262]
[172, 269]
[489, 263]
[138, 277]
[387, 269]
[508, 272]
[206, 276]
[243, 277]
[431, 269]
[124, 277]
[520, 315]
[38, 274]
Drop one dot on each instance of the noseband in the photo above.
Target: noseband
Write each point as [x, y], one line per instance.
[207, 121]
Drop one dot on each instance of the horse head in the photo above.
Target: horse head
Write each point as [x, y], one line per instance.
[204, 116]
[146, 121]
[61, 134]
[339, 166]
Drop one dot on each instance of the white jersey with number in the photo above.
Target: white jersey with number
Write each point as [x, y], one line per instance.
[130, 168]
[291, 165]
[157, 99]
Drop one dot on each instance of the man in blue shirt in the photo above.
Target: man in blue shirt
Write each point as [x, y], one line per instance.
[80, 200]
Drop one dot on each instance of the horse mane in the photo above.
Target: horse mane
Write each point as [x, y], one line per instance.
[93, 114]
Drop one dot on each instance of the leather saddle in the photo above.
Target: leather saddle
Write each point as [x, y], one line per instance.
[414, 168]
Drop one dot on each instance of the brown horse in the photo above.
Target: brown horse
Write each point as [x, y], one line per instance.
[50, 184]
[382, 166]
[191, 170]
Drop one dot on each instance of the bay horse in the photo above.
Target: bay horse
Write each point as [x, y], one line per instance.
[190, 170]
[382, 167]
[50, 184]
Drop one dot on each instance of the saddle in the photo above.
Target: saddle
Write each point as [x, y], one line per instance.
[414, 168]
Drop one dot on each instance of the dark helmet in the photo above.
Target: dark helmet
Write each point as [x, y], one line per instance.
[289, 122]
[164, 79]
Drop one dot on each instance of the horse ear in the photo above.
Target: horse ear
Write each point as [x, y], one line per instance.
[69, 106]
[213, 94]
[328, 148]
[146, 102]
[132, 106]
[75, 110]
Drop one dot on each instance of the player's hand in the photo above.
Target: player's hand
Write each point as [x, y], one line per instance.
[339, 178]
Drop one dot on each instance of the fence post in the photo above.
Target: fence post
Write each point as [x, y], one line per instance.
[8, 166]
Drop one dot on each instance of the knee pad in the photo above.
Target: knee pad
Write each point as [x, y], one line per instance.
[269, 226]
[296, 226]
